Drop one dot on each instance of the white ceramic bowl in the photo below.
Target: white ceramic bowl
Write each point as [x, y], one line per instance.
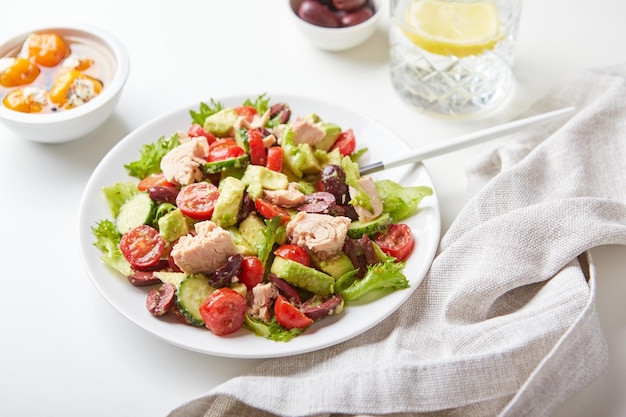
[68, 125]
[336, 39]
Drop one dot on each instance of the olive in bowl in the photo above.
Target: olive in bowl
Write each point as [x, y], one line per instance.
[336, 25]
[60, 82]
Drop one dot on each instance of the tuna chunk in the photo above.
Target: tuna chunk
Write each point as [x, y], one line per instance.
[306, 132]
[260, 304]
[204, 252]
[291, 197]
[321, 234]
[377, 206]
[181, 165]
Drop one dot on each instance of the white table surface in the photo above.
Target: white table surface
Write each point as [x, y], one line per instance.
[65, 350]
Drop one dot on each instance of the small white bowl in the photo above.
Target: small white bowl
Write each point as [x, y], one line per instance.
[336, 39]
[68, 125]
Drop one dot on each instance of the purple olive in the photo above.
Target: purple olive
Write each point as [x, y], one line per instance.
[161, 300]
[317, 14]
[225, 273]
[348, 5]
[163, 193]
[356, 17]
[316, 308]
[318, 202]
[333, 180]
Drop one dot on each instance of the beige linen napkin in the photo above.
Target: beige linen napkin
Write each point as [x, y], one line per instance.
[504, 324]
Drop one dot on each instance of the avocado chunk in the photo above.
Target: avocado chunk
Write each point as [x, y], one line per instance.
[303, 276]
[332, 133]
[335, 266]
[229, 202]
[301, 159]
[257, 178]
[221, 123]
[173, 225]
[243, 246]
[252, 229]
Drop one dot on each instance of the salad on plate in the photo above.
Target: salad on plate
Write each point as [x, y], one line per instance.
[252, 217]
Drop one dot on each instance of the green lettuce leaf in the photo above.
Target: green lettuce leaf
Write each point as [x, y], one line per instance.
[385, 275]
[261, 103]
[108, 241]
[205, 111]
[400, 201]
[117, 194]
[272, 330]
[151, 155]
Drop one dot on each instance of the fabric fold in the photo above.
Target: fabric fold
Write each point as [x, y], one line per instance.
[505, 322]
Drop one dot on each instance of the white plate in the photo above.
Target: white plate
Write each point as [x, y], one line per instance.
[356, 318]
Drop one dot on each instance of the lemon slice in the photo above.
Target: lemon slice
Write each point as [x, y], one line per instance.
[453, 28]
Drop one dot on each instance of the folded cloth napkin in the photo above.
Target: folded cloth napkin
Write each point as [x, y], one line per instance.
[504, 323]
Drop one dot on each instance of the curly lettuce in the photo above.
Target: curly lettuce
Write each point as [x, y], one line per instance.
[400, 201]
[385, 275]
[108, 241]
[205, 110]
[151, 155]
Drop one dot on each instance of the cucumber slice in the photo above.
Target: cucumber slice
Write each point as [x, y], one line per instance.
[358, 228]
[137, 210]
[225, 165]
[190, 295]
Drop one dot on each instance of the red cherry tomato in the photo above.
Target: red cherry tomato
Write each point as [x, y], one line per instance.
[346, 143]
[397, 241]
[225, 148]
[224, 311]
[269, 210]
[196, 130]
[275, 158]
[142, 246]
[197, 200]
[247, 112]
[294, 253]
[289, 316]
[154, 180]
[252, 271]
[257, 148]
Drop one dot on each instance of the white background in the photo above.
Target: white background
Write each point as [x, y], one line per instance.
[65, 350]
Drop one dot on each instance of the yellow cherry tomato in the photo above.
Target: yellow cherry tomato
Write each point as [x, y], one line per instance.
[26, 100]
[74, 88]
[20, 72]
[47, 49]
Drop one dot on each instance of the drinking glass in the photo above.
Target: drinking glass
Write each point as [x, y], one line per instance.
[453, 57]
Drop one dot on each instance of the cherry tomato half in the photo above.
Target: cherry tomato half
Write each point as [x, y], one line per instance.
[142, 246]
[196, 130]
[257, 148]
[289, 316]
[346, 143]
[224, 311]
[269, 210]
[225, 148]
[197, 200]
[275, 158]
[252, 271]
[294, 253]
[247, 112]
[154, 180]
[397, 241]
